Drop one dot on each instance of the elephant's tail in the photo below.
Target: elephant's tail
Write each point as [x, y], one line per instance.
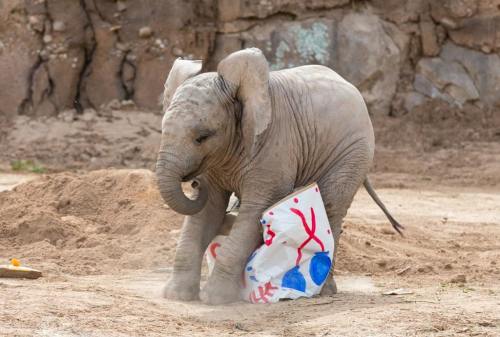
[396, 225]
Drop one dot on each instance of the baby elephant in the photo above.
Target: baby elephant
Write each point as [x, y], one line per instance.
[259, 134]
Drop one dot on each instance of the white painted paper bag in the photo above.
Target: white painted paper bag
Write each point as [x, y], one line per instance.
[297, 253]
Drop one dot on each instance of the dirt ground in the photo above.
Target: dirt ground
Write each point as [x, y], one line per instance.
[105, 244]
[434, 143]
[105, 241]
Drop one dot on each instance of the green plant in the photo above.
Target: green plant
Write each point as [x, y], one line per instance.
[26, 166]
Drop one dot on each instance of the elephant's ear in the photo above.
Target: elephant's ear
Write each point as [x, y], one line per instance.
[247, 73]
[181, 71]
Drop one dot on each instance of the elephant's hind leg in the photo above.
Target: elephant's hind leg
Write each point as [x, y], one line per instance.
[338, 188]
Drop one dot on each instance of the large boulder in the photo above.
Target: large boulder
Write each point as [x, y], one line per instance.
[460, 75]
[230, 10]
[370, 58]
[295, 43]
[470, 23]
[399, 11]
[449, 81]
[484, 69]
[362, 48]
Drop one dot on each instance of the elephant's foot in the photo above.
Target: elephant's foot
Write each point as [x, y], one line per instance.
[181, 289]
[329, 288]
[219, 291]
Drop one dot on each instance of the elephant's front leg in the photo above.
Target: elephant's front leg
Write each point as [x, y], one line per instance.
[197, 232]
[223, 285]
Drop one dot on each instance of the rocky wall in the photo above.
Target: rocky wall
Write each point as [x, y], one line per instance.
[58, 54]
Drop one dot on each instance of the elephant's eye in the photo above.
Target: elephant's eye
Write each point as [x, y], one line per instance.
[204, 136]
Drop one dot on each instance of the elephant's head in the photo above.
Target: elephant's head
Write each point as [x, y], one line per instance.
[209, 119]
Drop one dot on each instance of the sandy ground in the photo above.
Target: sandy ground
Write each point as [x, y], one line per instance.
[109, 283]
[433, 145]
[105, 241]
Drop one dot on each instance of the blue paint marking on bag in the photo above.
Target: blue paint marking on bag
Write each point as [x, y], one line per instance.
[320, 267]
[294, 279]
[250, 258]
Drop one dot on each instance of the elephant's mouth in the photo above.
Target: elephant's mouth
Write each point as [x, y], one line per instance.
[192, 175]
[196, 172]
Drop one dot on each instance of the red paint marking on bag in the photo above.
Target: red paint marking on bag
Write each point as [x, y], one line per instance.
[265, 292]
[311, 232]
[213, 247]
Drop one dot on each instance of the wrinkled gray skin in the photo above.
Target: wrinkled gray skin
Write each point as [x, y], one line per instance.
[259, 134]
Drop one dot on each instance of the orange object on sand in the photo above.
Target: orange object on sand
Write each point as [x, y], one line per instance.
[14, 270]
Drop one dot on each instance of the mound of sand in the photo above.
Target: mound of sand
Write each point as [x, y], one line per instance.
[110, 221]
[99, 222]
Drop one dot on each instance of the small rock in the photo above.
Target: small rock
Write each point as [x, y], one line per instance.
[368, 243]
[448, 266]
[449, 23]
[177, 51]
[2, 47]
[403, 270]
[67, 116]
[387, 231]
[430, 46]
[33, 20]
[459, 279]
[425, 269]
[486, 49]
[44, 54]
[121, 6]
[160, 43]
[127, 103]
[88, 115]
[122, 46]
[36, 22]
[61, 49]
[114, 104]
[382, 263]
[115, 28]
[399, 291]
[47, 38]
[131, 57]
[487, 324]
[59, 26]
[241, 327]
[463, 8]
[145, 32]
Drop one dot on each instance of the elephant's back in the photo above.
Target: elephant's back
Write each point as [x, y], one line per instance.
[326, 88]
[315, 78]
[323, 97]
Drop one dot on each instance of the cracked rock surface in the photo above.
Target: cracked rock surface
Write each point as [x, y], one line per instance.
[57, 55]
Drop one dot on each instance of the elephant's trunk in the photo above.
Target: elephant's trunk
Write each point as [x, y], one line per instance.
[170, 177]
